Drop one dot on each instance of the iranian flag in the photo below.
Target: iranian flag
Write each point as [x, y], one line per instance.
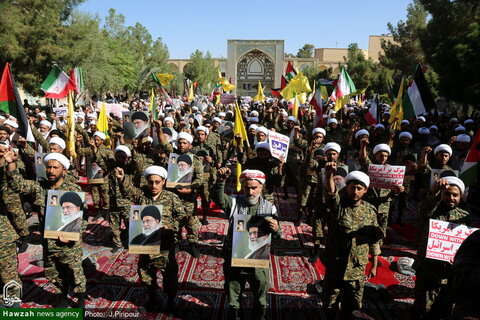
[469, 172]
[76, 75]
[11, 103]
[57, 84]
[316, 102]
[418, 99]
[290, 73]
[371, 115]
[344, 85]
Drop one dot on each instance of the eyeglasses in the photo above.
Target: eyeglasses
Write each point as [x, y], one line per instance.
[69, 208]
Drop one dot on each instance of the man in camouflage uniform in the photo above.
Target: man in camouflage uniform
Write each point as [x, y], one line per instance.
[353, 230]
[100, 191]
[204, 151]
[188, 195]
[63, 258]
[119, 206]
[250, 202]
[440, 204]
[172, 213]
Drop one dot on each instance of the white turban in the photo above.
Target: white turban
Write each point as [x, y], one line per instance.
[262, 129]
[254, 113]
[185, 135]
[405, 121]
[262, 145]
[45, 123]
[434, 127]
[443, 148]
[217, 119]
[222, 114]
[421, 118]
[11, 123]
[405, 134]
[361, 132]
[382, 147]
[100, 134]
[292, 118]
[460, 128]
[358, 176]
[469, 121]
[319, 130]
[59, 157]
[463, 138]
[379, 126]
[41, 114]
[253, 126]
[454, 181]
[169, 119]
[58, 141]
[202, 128]
[92, 122]
[423, 130]
[253, 175]
[92, 115]
[332, 146]
[157, 170]
[123, 148]
[332, 120]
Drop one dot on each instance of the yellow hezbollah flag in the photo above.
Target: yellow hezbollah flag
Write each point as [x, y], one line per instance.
[164, 78]
[396, 113]
[71, 127]
[324, 93]
[340, 102]
[102, 124]
[260, 96]
[239, 129]
[297, 85]
[191, 97]
[226, 86]
[295, 107]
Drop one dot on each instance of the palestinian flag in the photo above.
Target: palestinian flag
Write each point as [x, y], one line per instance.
[290, 73]
[57, 84]
[469, 172]
[11, 103]
[283, 84]
[276, 93]
[418, 99]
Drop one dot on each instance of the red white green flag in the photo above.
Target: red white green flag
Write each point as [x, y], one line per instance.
[57, 84]
[469, 172]
[290, 73]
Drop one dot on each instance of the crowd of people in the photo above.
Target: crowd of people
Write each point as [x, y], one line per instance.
[326, 167]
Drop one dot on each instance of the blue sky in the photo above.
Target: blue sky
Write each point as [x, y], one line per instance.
[188, 25]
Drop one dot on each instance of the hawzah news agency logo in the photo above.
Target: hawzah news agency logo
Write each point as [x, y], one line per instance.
[12, 291]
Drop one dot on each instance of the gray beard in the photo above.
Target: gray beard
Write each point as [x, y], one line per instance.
[252, 201]
[150, 231]
[67, 219]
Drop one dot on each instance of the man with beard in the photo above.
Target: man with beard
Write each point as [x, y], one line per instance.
[140, 123]
[172, 213]
[71, 212]
[63, 258]
[184, 164]
[431, 275]
[250, 202]
[258, 238]
[151, 219]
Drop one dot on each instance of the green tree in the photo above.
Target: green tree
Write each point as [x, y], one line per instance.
[201, 69]
[451, 45]
[306, 51]
[406, 51]
[30, 34]
[360, 69]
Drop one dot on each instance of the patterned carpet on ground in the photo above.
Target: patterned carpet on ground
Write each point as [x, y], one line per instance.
[113, 283]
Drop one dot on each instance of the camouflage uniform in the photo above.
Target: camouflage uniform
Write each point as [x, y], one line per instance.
[209, 176]
[214, 141]
[172, 213]
[189, 201]
[143, 160]
[235, 277]
[12, 202]
[99, 191]
[63, 261]
[353, 230]
[8, 252]
[432, 274]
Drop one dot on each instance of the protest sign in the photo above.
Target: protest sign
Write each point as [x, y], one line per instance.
[64, 214]
[436, 174]
[386, 176]
[278, 144]
[226, 98]
[180, 170]
[94, 172]
[136, 124]
[40, 169]
[144, 231]
[444, 239]
[115, 108]
[60, 111]
[251, 241]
